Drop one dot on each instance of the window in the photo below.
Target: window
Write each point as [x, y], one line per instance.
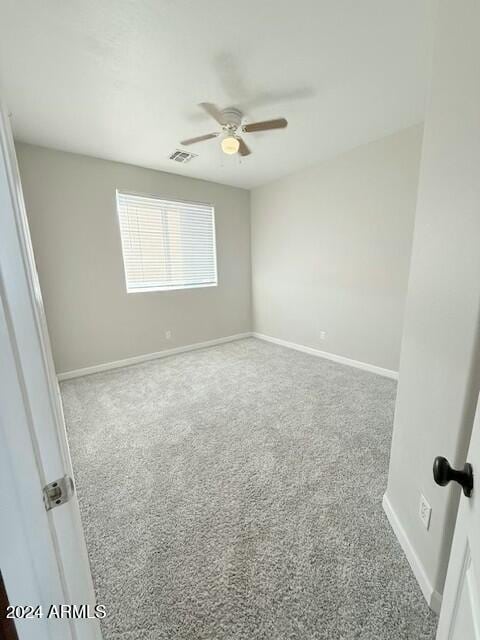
[166, 244]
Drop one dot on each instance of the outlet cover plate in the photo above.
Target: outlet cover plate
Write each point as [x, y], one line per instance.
[425, 511]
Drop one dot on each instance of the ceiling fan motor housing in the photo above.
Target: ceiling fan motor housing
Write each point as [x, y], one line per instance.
[232, 119]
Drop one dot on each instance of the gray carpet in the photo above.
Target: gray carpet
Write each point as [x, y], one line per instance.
[235, 493]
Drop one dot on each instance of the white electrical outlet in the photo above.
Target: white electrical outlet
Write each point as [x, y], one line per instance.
[425, 511]
[168, 334]
[323, 335]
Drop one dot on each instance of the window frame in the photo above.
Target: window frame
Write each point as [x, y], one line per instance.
[160, 289]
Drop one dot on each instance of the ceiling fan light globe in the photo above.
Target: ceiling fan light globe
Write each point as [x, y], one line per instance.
[230, 145]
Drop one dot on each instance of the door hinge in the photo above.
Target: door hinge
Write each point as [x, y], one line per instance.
[58, 492]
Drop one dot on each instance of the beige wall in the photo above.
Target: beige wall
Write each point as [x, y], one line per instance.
[91, 319]
[331, 250]
[440, 363]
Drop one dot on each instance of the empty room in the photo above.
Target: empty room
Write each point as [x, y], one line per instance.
[239, 329]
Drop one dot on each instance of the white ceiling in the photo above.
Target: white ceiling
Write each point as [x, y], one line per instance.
[121, 79]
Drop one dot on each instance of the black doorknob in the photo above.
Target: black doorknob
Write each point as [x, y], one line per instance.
[443, 473]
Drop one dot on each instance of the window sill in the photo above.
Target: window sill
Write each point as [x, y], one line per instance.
[173, 288]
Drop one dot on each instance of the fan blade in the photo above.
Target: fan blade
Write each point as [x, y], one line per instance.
[212, 111]
[243, 150]
[279, 123]
[208, 136]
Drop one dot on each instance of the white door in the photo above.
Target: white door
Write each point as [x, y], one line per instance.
[460, 612]
[43, 557]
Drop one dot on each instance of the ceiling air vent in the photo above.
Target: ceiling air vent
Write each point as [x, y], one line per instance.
[182, 156]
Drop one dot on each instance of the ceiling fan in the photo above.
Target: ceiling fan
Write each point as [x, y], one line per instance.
[230, 120]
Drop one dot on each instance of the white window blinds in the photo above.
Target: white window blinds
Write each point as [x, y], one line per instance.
[166, 244]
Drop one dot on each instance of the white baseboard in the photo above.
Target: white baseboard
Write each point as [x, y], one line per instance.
[387, 373]
[117, 364]
[433, 598]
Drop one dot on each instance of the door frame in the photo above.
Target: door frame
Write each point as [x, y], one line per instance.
[43, 553]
